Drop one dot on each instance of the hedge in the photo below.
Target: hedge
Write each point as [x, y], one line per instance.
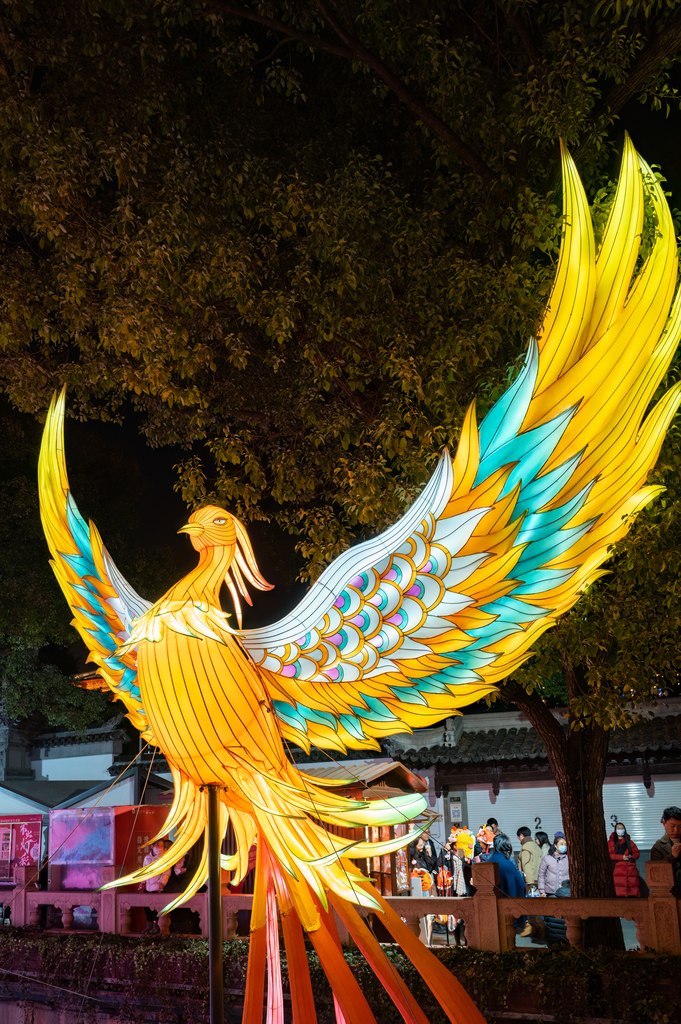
[167, 977]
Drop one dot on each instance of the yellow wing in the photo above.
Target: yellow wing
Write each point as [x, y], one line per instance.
[103, 603]
[433, 613]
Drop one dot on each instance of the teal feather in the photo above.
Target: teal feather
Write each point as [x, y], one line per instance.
[353, 726]
[288, 714]
[539, 580]
[537, 492]
[506, 416]
[543, 524]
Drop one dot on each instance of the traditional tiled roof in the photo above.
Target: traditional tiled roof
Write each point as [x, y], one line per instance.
[662, 733]
[658, 734]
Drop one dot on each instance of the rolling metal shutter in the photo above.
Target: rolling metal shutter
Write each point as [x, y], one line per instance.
[640, 809]
[537, 805]
[534, 804]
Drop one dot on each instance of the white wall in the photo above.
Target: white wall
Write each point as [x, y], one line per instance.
[67, 769]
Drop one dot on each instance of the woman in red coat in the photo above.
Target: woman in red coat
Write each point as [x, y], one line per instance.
[624, 853]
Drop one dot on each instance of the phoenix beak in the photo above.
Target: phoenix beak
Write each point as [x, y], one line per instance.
[193, 529]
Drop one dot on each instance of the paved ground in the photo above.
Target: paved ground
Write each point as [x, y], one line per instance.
[535, 941]
[628, 930]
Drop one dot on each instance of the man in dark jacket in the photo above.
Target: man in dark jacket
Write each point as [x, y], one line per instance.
[494, 825]
[669, 846]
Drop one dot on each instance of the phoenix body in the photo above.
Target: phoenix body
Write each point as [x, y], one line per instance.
[403, 629]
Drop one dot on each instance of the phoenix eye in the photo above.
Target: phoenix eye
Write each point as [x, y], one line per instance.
[219, 522]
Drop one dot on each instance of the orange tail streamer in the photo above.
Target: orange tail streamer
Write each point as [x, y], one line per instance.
[257, 954]
[340, 1019]
[302, 999]
[331, 925]
[450, 993]
[347, 992]
[275, 995]
[371, 951]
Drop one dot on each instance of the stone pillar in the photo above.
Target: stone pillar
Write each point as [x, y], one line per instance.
[485, 934]
[25, 882]
[107, 911]
[107, 906]
[110, 872]
[26, 877]
[664, 920]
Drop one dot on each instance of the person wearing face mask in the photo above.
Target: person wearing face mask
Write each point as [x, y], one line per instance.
[554, 869]
[669, 846]
[623, 853]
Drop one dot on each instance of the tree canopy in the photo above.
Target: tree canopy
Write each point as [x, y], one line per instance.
[299, 239]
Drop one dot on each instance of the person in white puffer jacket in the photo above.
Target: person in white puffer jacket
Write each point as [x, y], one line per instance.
[554, 868]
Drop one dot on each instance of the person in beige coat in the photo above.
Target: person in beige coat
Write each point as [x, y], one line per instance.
[529, 858]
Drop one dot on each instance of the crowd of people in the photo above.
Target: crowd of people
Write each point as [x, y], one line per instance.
[542, 866]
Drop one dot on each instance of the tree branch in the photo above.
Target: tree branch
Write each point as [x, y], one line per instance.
[536, 710]
[279, 26]
[522, 32]
[429, 117]
[354, 51]
[663, 47]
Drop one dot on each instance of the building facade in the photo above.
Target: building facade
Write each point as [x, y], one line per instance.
[495, 765]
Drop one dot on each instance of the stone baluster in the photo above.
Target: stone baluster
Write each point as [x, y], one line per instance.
[164, 924]
[573, 927]
[230, 923]
[67, 916]
[642, 922]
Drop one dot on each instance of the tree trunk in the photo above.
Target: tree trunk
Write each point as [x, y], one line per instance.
[577, 759]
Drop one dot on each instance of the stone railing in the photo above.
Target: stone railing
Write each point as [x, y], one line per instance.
[488, 917]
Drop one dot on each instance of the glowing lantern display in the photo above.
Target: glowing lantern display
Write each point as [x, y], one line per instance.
[400, 630]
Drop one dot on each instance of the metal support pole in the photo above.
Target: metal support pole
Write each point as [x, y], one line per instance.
[216, 984]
